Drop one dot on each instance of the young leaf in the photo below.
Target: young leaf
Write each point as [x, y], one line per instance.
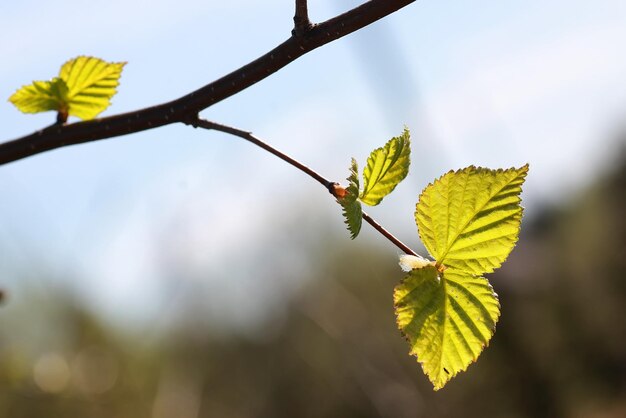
[41, 96]
[91, 83]
[84, 89]
[386, 167]
[470, 219]
[447, 319]
[352, 211]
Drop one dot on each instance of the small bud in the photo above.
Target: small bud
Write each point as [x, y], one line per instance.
[338, 191]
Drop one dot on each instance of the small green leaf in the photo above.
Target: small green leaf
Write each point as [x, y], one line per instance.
[386, 167]
[470, 219]
[91, 83]
[84, 89]
[41, 96]
[352, 211]
[447, 318]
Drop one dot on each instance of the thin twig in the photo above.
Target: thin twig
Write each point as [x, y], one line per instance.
[203, 123]
[388, 235]
[248, 136]
[189, 105]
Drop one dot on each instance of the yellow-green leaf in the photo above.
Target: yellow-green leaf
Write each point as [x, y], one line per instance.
[386, 167]
[469, 219]
[447, 318]
[91, 83]
[83, 88]
[352, 210]
[41, 96]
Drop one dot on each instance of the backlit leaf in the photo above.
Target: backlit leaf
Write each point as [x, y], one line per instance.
[83, 88]
[91, 83]
[447, 318]
[352, 210]
[470, 219]
[386, 167]
[41, 96]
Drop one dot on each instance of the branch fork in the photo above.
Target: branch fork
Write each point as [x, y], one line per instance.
[306, 38]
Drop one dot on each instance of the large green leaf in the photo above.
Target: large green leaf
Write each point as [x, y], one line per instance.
[447, 318]
[386, 167]
[41, 96]
[470, 219]
[352, 210]
[84, 89]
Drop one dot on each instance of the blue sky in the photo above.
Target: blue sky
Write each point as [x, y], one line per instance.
[487, 83]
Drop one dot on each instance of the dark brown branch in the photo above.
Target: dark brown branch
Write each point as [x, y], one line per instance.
[330, 186]
[301, 22]
[188, 106]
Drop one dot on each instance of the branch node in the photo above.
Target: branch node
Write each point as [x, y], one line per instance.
[336, 190]
[301, 27]
[192, 120]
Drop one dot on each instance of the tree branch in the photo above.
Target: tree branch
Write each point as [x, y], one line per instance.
[188, 106]
[301, 19]
[329, 185]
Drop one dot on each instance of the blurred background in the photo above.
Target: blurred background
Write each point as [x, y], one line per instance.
[184, 273]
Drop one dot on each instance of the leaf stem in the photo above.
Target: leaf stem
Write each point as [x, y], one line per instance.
[329, 185]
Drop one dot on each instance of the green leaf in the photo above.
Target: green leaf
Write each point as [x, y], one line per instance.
[386, 167]
[84, 89]
[469, 220]
[352, 210]
[91, 83]
[41, 96]
[447, 318]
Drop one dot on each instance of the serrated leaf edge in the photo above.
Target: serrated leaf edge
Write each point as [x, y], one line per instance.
[405, 137]
[351, 198]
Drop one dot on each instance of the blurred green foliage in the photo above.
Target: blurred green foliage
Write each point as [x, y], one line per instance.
[558, 351]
